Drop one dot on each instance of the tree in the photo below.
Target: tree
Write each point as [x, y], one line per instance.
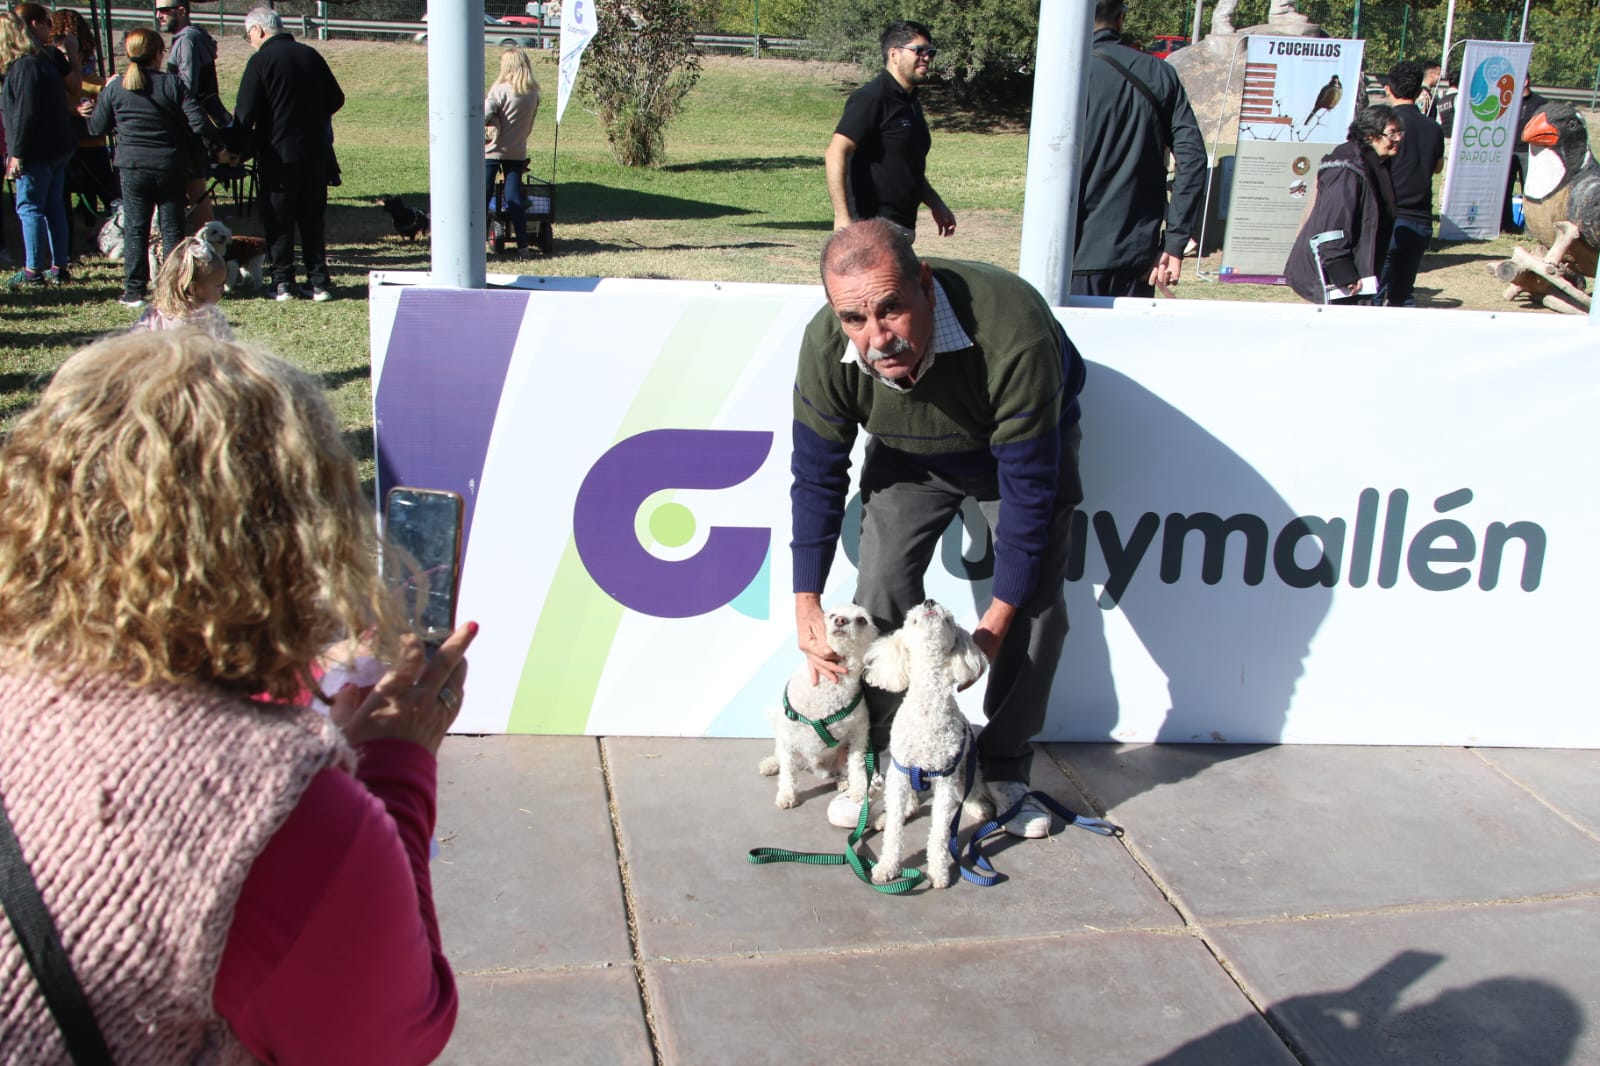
[637, 71]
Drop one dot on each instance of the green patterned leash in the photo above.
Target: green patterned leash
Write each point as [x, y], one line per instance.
[905, 880]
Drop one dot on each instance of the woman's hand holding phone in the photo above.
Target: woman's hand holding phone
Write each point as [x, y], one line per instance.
[417, 700]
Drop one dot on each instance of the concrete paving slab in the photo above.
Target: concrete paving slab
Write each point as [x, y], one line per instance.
[1261, 832]
[526, 875]
[1566, 778]
[690, 810]
[576, 1017]
[1470, 986]
[1100, 1000]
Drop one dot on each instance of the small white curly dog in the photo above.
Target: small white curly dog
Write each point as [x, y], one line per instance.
[928, 658]
[823, 727]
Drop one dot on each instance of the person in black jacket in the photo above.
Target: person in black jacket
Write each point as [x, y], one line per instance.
[155, 122]
[39, 145]
[1341, 245]
[1137, 111]
[287, 99]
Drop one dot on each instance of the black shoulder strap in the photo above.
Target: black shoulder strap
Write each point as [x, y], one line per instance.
[1144, 90]
[46, 957]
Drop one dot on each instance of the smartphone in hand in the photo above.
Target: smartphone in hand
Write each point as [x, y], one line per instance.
[425, 524]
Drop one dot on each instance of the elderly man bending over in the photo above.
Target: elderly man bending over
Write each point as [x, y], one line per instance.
[968, 387]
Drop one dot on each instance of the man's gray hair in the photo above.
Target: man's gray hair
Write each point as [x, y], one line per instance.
[264, 19]
[866, 243]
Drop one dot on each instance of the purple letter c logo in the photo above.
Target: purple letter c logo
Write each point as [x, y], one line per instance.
[609, 499]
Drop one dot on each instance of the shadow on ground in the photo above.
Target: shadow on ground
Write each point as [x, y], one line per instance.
[757, 163]
[1503, 1019]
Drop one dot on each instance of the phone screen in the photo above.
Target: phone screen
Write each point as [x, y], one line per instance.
[426, 525]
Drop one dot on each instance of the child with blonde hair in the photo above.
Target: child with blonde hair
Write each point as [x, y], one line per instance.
[188, 288]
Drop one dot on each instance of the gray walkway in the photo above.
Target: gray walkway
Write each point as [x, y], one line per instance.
[1318, 905]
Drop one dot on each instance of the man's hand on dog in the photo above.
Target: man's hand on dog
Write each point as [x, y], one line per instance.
[812, 626]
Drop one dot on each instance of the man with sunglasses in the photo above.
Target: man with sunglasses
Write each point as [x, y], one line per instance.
[877, 159]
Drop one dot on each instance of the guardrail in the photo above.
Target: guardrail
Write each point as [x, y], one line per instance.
[323, 29]
[314, 28]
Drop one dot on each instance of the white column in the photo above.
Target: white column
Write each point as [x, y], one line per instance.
[455, 144]
[1050, 201]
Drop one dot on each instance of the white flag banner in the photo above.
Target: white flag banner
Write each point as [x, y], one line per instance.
[1483, 139]
[577, 28]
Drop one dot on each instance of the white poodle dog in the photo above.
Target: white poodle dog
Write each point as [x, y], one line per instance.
[245, 257]
[928, 658]
[823, 727]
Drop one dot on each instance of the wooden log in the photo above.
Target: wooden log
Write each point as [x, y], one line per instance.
[1553, 276]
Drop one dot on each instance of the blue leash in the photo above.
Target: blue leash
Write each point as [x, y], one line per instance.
[975, 866]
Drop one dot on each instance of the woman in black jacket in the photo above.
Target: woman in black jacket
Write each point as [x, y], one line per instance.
[1346, 233]
[156, 122]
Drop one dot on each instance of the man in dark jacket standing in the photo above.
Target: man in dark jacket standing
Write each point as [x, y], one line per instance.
[192, 56]
[287, 99]
[1137, 111]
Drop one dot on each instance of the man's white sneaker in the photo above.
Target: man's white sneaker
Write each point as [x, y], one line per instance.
[1031, 820]
[845, 813]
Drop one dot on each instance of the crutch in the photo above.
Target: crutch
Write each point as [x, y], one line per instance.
[1317, 242]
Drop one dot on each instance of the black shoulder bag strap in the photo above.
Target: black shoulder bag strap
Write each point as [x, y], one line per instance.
[46, 957]
[1144, 90]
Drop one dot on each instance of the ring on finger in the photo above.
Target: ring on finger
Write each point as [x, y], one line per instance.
[451, 699]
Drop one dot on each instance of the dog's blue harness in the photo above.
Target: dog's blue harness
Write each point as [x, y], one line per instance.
[920, 778]
[821, 726]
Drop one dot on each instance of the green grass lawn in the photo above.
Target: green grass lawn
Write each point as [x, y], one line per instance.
[740, 197]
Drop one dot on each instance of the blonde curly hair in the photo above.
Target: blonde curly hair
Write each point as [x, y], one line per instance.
[181, 509]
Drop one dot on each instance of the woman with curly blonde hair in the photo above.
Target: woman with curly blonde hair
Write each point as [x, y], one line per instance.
[184, 536]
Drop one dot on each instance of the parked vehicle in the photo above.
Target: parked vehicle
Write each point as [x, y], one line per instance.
[490, 20]
[1163, 45]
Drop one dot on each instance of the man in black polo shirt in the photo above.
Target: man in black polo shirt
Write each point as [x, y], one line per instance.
[877, 159]
[1420, 157]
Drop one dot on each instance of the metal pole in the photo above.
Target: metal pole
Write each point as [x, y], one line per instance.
[1194, 34]
[755, 41]
[1355, 21]
[1405, 24]
[1449, 24]
[455, 145]
[1523, 36]
[1050, 202]
[322, 20]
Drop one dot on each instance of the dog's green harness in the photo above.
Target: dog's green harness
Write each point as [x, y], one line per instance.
[821, 726]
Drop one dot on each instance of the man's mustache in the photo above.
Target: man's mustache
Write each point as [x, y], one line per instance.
[898, 346]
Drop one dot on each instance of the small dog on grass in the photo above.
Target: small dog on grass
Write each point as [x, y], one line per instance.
[823, 727]
[245, 257]
[927, 658]
[408, 221]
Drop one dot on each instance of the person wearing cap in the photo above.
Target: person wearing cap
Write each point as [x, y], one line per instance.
[192, 56]
[877, 161]
[1130, 236]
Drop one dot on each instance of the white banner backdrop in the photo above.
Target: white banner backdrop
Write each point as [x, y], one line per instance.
[1326, 525]
[1483, 139]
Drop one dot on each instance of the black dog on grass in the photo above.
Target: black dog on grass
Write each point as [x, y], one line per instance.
[408, 221]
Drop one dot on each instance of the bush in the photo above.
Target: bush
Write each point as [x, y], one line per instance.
[636, 72]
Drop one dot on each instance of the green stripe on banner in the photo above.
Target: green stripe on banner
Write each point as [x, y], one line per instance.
[688, 385]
